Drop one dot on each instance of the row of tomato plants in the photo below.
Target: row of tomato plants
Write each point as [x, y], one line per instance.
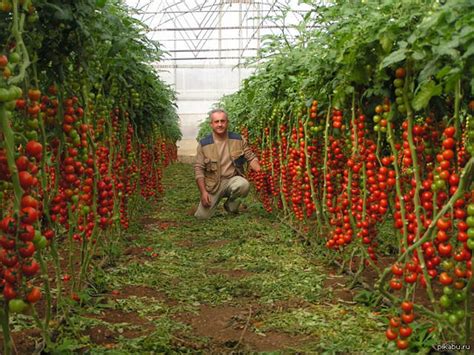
[344, 187]
[345, 155]
[74, 156]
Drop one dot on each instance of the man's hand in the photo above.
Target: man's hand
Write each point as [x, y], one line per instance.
[205, 199]
[255, 165]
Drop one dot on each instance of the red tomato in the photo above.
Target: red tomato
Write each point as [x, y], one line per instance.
[34, 94]
[29, 201]
[30, 268]
[407, 306]
[396, 284]
[28, 250]
[394, 322]
[29, 215]
[9, 291]
[443, 224]
[449, 131]
[391, 334]
[34, 295]
[400, 73]
[34, 149]
[407, 318]
[402, 344]
[22, 163]
[3, 61]
[445, 279]
[397, 270]
[26, 179]
[405, 331]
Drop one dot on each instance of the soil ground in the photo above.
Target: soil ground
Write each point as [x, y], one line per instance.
[231, 284]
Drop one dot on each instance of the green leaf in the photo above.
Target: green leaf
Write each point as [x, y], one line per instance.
[386, 41]
[429, 70]
[394, 57]
[425, 93]
[469, 51]
[443, 72]
[418, 55]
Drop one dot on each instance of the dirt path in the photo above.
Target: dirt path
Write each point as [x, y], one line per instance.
[240, 283]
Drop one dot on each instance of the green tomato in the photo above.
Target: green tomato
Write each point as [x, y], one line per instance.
[10, 105]
[41, 243]
[376, 128]
[448, 291]
[470, 221]
[459, 296]
[445, 301]
[402, 108]
[452, 319]
[398, 83]
[447, 265]
[377, 118]
[399, 100]
[17, 305]
[75, 198]
[399, 92]
[32, 135]
[460, 314]
[4, 95]
[15, 92]
[33, 124]
[383, 129]
[470, 244]
[14, 57]
[440, 184]
[470, 233]
[470, 209]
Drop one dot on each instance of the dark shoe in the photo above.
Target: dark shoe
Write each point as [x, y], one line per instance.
[232, 206]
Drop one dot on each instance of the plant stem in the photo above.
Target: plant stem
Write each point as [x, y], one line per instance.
[7, 339]
[325, 164]
[416, 198]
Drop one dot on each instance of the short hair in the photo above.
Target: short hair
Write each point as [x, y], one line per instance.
[218, 110]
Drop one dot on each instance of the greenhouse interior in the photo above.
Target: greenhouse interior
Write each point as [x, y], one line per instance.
[236, 176]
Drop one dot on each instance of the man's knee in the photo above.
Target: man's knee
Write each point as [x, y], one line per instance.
[240, 187]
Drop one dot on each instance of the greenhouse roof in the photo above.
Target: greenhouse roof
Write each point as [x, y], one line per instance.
[216, 31]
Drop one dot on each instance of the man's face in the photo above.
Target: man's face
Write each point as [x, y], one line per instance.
[219, 123]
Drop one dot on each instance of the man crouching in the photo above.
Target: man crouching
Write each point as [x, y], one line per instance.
[219, 167]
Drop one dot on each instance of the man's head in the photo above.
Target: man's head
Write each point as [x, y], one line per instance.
[219, 122]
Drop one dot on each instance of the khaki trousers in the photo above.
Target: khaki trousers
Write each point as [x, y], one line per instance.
[232, 188]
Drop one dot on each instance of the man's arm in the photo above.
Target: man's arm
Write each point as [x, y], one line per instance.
[255, 165]
[205, 198]
[199, 174]
[250, 156]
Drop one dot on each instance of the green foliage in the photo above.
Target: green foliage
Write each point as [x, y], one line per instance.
[92, 48]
